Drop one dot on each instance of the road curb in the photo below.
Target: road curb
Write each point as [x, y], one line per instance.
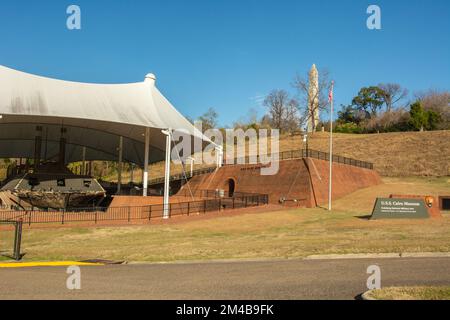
[311, 257]
[212, 261]
[47, 264]
[379, 255]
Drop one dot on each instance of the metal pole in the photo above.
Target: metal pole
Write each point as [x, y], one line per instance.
[331, 148]
[18, 239]
[191, 159]
[119, 169]
[84, 161]
[166, 210]
[146, 151]
[37, 148]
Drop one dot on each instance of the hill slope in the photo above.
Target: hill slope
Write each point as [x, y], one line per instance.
[393, 154]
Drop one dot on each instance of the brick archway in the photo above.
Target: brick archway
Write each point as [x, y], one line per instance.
[231, 187]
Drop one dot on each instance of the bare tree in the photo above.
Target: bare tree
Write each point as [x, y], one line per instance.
[283, 110]
[292, 116]
[275, 102]
[307, 106]
[439, 102]
[249, 120]
[209, 119]
[388, 120]
[391, 94]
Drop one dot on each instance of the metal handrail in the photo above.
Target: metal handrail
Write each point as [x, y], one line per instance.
[307, 153]
[284, 155]
[180, 176]
[134, 213]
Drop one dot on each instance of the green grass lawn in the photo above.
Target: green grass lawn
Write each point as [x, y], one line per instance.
[280, 234]
[411, 293]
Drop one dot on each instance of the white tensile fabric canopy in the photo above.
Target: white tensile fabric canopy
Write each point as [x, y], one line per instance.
[92, 115]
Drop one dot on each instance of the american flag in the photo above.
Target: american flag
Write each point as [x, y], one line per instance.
[330, 95]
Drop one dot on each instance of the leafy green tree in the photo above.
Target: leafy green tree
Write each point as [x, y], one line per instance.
[434, 119]
[347, 114]
[349, 127]
[369, 99]
[350, 114]
[418, 116]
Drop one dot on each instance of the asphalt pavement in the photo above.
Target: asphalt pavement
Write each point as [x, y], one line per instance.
[277, 279]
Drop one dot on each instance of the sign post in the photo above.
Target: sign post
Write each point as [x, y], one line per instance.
[330, 99]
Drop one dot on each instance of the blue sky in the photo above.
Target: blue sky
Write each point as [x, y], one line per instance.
[228, 54]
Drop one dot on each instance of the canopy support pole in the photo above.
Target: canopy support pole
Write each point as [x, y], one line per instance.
[119, 169]
[62, 148]
[37, 148]
[146, 151]
[83, 172]
[166, 204]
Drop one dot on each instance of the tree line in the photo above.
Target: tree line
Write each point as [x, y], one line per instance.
[284, 111]
[385, 107]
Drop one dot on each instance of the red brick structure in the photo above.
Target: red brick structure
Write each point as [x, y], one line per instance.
[346, 179]
[300, 182]
[433, 211]
[136, 201]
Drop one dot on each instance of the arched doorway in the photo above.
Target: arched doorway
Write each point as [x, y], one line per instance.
[231, 186]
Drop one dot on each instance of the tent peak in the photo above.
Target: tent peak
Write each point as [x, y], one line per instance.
[151, 78]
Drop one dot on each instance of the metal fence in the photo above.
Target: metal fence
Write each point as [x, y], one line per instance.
[181, 176]
[138, 213]
[203, 193]
[285, 155]
[306, 153]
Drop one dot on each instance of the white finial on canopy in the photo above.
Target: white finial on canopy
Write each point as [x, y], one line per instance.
[151, 78]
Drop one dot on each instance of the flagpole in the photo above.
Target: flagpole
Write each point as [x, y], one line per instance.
[331, 147]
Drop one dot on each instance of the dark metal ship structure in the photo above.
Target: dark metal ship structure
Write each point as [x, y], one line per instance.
[49, 185]
[53, 187]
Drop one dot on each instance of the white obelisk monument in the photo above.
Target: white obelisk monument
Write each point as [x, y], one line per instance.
[313, 99]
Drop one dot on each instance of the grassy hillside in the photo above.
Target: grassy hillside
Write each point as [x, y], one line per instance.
[393, 154]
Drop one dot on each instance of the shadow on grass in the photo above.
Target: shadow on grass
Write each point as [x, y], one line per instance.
[364, 217]
[7, 256]
[359, 297]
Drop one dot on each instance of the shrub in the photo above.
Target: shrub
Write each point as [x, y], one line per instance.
[348, 127]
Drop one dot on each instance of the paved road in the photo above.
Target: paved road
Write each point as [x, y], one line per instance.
[287, 279]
